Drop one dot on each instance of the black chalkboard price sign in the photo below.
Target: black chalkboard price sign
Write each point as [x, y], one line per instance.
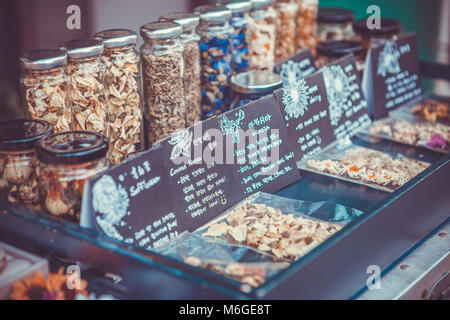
[297, 67]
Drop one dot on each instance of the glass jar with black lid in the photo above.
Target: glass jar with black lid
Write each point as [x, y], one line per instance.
[253, 85]
[390, 29]
[66, 161]
[18, 162]
[331, 50]
[335, 24]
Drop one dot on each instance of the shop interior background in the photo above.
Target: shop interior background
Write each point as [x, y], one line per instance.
[35, 24]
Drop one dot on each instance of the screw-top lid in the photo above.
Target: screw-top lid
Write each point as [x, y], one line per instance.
[335, 15]
[22, 134]
[161, 30]
[239, 6]
[116, 38]
[185, 19]
[213, 13]
[43, 59]
[257, 4]
[71, 147]
[388, 26]
[339, 48]
[256, 82]
[82, 48]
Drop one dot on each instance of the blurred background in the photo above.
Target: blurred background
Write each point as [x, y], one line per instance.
[36, 24]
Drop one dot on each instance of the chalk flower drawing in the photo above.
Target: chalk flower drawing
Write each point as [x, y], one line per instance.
[228, 126]
[181, 140]
[295, 99]
[338, 90]
[388, 59]
[290, 73]
[111, 201]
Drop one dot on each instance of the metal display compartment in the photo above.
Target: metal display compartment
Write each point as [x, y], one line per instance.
[392, 224]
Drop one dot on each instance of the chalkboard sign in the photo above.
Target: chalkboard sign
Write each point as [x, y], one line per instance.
[392, 75]
[297, 67]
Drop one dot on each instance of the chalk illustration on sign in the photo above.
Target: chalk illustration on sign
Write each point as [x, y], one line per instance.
[181, 140]
[290, 73]
[388, 59]
[232, 127]
[111, 201]
[338, 90]
[295, 99]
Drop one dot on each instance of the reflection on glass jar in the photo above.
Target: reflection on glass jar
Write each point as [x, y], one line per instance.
[330, 50]
[335, 24]
[66, 161]
[253, 85]
[18, 161]
[306, 25]
[285, 29]
[44, 87]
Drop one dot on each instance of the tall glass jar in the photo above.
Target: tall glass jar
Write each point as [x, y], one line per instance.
[67, 160]
[253, 85]
[286, 28]
[44, 87]
[215, 49]
[306, 25]
[331, 50]
[18, 161]
[191, 56]
[263, 34]
[125, 120]
[335, 24]
[86, 91]
[390, 29]
[163, 72]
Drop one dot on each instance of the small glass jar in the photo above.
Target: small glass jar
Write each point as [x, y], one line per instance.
[330, 50]
[86, 94]
[286, 28]
[125, 124]
[263, 35]
[253, 85]
[335, 24]
[191, 56]
[306, 25]
[163, 72]
[44, 87]
[18, 162]
[390, 29]
[241, 37]
[67, 160]
[215, 49]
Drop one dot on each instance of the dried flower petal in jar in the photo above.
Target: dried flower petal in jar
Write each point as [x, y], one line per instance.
[122, 79]
[191, 56]
[263, 34]
[215, 49]
[389, 30]
[253, 85]
[44, 87]
[286, 28]
[330, 50]
[335, 24]
[66, 161]
[163, 71]
[306, 25]
[18, 161]
[86, 94]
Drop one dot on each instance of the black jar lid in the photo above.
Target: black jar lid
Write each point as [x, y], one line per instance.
[71, 147]
[388, 26]
[335, 15]
[256, 82]
[339, 48]
[22, 134]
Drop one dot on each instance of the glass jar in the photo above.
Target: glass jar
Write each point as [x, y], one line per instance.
[263, 34]
[335, 24]
[18, 161]
[306, 22]
[86, 94]
[121, 60]
[215, 49]
[241, 38]
[66, 160]
[191, 56]
[253, 85]
[44, 87]
[390, 29]
[285, 29]
[331, 50]
[163, 72]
